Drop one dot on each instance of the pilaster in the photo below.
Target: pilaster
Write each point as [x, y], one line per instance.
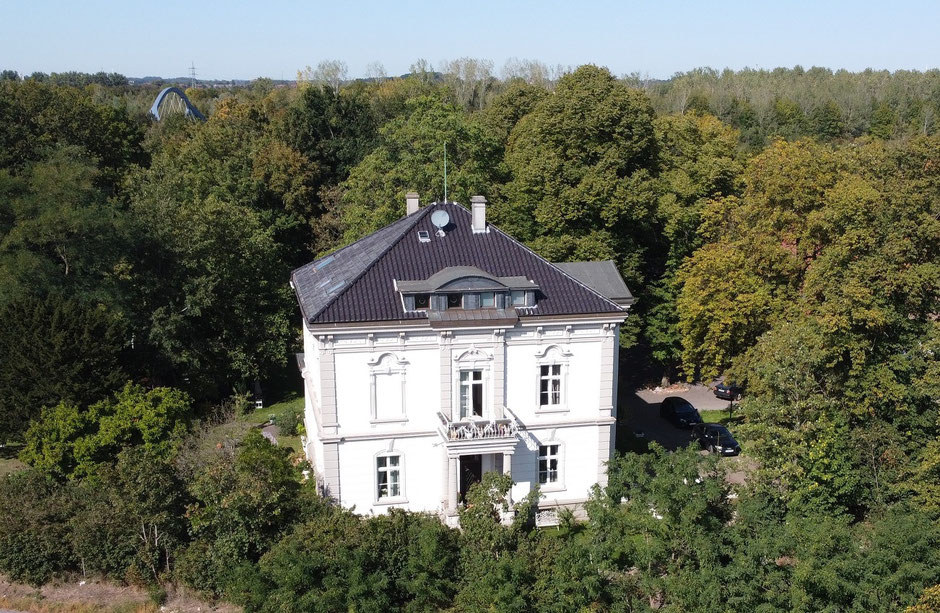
[446, 340]
[499, 373]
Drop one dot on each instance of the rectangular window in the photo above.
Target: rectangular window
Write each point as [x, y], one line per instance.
[550, 385]
[422, 301]
[454, 301]
[388, 476]
[487, 300]
[471, 393]
[548, 464]
[518, 297]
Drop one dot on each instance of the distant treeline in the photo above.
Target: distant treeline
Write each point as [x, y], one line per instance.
[794, 103]
[761, 103]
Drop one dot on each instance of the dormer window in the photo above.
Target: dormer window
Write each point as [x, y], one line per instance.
[466, 288]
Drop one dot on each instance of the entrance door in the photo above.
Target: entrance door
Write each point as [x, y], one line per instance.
[471, 471]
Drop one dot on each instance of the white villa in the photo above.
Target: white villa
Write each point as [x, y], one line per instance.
[439, 348]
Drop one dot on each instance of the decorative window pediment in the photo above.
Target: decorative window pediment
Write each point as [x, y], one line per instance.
[550, 352]
[473, 355]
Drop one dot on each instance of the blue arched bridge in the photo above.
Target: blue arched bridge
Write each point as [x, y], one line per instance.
[173, 100]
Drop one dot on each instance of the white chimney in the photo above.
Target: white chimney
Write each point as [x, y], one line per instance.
[411, 203]
[478, 210]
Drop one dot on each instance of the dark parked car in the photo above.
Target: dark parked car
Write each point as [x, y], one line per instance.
[679, 412]
[716, 439]
[728, 391]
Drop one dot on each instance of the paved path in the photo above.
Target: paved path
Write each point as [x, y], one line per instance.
[642, 413]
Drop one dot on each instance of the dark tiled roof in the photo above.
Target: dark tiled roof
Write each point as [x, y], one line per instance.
[602, 277]
[318, 282]
[357, 284]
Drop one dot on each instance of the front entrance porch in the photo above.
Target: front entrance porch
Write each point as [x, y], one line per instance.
[463, 470]
[471, 468]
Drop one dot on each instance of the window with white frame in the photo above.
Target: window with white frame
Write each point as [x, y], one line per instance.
[549, 464]
[550, 385]
[388, 473]
[387, 382]
[471, 394]
[552, 378]
[472, 384]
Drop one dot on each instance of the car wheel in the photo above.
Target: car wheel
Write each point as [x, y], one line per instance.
[737, 397]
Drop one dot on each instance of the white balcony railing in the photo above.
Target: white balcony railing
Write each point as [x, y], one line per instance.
[472, 430]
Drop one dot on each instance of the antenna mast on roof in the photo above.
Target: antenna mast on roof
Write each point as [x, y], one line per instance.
[445, 172]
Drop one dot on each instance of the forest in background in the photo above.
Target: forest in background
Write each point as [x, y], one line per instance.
[779, 227]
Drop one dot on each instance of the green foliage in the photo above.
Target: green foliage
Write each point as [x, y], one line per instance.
[787, 101]
[37, 116]
[214, 219]
[929, 601]
[57, 234]
[68, 441]
[242, 504]
[82, 344]
[130, 516]
[697, 163]
[581, 165]
[337, 561]
[34, 529]
[411, 157]
[333, 129]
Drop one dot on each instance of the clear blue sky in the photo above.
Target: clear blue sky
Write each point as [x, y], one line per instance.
[275, 38]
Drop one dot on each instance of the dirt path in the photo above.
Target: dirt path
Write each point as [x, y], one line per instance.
[95, 597]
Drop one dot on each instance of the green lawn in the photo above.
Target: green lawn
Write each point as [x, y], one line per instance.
[293, 402]
[260, 416]
[720, 416]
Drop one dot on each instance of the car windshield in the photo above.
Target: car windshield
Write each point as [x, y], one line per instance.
[685, 409]
[722, 432]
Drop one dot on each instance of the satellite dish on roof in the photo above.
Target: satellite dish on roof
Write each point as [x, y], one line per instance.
[440, 219]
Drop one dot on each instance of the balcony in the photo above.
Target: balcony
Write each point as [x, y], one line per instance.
[484, 436]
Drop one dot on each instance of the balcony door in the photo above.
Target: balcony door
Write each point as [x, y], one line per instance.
[471, 394]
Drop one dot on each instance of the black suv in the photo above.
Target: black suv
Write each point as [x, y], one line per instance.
[716, 439]
[728, 391]
[679, 412]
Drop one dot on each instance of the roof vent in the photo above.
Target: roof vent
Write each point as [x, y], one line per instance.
[424, 236]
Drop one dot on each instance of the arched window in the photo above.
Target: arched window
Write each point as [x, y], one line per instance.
[387, 383]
